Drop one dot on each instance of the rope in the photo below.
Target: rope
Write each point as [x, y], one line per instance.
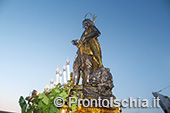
[164, 88]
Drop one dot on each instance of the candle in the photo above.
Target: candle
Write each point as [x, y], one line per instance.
[47, 87]
[60, 73]
[57, 76]
[64, 74]
[51, 83]
[68, 69]
[55, 83]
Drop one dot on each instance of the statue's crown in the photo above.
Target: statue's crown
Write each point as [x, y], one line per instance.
[93, 16]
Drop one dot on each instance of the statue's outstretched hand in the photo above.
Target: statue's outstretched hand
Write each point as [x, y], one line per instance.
[75, 42]
[83, 38]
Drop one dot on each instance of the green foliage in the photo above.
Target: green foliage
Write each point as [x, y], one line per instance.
[44, 98]
[74, 105]
[44, 102]
[23, 104]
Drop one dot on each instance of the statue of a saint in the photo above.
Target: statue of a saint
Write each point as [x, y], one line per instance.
[88, 57]
[97, 80]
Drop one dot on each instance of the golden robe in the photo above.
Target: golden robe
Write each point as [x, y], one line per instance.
[91, 47]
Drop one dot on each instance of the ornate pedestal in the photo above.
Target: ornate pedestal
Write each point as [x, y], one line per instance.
[78, 92]
[81, 109]
[97, 110]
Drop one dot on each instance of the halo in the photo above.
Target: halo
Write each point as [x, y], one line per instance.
[93, 16]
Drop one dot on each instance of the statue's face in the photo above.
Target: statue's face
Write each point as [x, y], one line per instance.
[87, 23]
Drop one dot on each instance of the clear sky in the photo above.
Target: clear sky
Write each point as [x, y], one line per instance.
[35, 39]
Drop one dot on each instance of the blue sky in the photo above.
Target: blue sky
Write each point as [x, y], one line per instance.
[35, 39]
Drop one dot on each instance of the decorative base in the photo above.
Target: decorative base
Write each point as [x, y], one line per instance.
[78, 91]
[97, 110]
[66, 109]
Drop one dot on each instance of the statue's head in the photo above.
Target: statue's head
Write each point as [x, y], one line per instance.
[87, 22]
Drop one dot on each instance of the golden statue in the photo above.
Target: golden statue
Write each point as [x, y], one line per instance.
[97, 80]
[88, 57]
